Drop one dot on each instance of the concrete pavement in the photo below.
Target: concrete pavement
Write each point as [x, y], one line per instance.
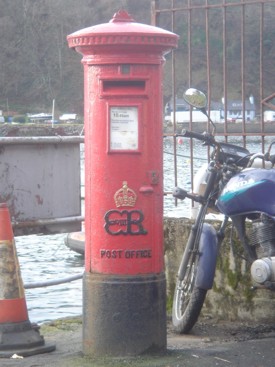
[211, 343]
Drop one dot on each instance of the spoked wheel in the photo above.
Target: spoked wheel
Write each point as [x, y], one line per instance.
[188, 299]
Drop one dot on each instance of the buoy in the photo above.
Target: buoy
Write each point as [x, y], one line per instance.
[17, 334]
[180, 141]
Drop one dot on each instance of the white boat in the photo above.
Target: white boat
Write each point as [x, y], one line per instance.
[75, 241]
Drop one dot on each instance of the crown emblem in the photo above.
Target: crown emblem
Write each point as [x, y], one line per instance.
[125, 196]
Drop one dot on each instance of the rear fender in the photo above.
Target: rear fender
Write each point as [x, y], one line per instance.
[208, 248]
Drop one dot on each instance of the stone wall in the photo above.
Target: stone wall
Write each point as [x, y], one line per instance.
[232, 128]
[231, 297]
[14, 130]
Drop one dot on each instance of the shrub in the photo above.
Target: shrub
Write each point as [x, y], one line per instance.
[20, 118]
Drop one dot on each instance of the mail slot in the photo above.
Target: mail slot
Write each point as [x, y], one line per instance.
[123, 86]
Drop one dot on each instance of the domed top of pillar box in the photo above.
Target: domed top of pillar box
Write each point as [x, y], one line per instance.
[122, 36]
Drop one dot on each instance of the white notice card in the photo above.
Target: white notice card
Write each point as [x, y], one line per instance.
[123, 128]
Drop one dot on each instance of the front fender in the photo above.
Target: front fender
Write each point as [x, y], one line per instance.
[208, 248]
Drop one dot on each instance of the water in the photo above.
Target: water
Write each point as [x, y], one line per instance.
[47, 258]
[44, 258]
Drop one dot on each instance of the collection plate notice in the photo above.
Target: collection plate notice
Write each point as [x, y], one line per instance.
[123, 128]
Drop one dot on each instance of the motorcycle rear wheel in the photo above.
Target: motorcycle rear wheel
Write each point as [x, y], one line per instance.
[188, 301]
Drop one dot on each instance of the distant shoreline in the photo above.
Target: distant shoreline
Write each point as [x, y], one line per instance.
[250, 128]
[16, 130]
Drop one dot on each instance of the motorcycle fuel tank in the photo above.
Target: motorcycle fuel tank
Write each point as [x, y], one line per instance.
[252, 190]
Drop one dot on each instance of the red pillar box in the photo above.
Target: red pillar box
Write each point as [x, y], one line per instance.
[124, 284]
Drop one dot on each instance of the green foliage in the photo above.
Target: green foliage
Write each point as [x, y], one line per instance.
[169, 304]
[37, 66]
[234, 275]
[20, 119]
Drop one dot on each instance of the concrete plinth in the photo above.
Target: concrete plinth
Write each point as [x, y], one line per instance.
[124, 315]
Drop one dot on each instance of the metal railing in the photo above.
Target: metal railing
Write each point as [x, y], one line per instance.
[50, 283]
[225, 50]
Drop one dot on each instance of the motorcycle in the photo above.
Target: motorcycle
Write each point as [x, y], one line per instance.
[241, 193]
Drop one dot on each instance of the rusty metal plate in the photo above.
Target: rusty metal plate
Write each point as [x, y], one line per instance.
[40, 182]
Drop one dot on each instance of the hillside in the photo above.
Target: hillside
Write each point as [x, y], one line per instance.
[37, 66]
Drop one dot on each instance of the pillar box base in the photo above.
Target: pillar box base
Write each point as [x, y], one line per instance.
[124, 315]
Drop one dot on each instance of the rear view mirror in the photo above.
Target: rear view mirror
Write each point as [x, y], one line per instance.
[195, 98]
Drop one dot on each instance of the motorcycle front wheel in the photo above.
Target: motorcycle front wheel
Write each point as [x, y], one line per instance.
[188, 299]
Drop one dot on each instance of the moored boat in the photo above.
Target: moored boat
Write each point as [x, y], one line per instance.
[75, 241]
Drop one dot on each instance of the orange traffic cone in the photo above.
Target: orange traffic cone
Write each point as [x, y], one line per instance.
[17, 334]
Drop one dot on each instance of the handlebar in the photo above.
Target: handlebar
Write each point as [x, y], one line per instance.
[182, 194]
[209, 139]
[205, 136]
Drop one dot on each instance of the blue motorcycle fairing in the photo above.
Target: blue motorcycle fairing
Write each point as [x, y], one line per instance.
[208, 248]
[252, 190]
